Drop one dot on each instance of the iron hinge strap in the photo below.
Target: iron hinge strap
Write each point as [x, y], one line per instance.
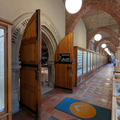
[36, 111]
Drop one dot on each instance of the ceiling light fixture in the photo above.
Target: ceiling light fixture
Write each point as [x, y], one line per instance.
[108, 52]
[106, 49]
[103, 45]
[73, 6]
[98, 37]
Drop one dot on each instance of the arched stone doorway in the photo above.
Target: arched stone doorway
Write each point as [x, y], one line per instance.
[48, 57]
[50, 37]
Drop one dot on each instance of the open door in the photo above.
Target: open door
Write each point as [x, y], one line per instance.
[30, 73]
[64, 63]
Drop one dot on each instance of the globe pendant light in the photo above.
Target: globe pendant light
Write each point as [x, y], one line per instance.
[98, 37]
[108, 52]
[73, 6]
[103, 45]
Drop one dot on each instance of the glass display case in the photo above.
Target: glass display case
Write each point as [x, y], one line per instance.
[84, 62]
[2, 79]
[89, 62]
[79, 63]
[116, 101]
[95, 61]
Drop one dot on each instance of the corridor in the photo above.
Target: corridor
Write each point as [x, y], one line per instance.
[55, 60]
[96, 90]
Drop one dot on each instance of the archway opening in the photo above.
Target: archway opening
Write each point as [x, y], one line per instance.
[46, 84]
[50, 40]
[47, 64]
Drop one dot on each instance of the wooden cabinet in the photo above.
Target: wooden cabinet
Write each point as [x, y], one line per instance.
[5, 70]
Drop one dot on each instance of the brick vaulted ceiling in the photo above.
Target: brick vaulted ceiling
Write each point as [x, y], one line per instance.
[97, 14]
[95, 19]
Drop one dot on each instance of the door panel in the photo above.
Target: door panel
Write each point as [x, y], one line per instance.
[30, 55]
[28, 87]
[64, 63]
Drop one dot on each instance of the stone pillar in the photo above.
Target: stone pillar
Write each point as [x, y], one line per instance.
[51, 73]
[15, 87]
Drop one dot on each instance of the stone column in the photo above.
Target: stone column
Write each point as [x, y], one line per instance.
[15, 87]
[51, 73]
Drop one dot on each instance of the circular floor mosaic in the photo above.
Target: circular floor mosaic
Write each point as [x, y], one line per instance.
[83, 110]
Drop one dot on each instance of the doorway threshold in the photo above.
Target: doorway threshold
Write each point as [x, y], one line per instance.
[46, 90]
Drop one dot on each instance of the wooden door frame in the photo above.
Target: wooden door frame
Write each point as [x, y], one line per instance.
[39, 39]
[5, 68]
[7, 113]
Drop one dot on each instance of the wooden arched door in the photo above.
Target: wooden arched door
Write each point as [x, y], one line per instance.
[30, 73]
[65, 63]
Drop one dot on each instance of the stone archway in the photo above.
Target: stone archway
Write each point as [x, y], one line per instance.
[47, 37]
[107, 30]
[110, 46]
[17, 31]
[108, 40]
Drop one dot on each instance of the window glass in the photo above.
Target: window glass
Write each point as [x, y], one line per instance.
[79, 63]
[95, 61]
[84, 61]
[2, 90]
[91, 61]
[88, 61]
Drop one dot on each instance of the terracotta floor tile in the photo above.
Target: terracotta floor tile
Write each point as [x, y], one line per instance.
[96, 90]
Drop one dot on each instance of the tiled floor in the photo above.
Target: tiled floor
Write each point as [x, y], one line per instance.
[96, 90]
